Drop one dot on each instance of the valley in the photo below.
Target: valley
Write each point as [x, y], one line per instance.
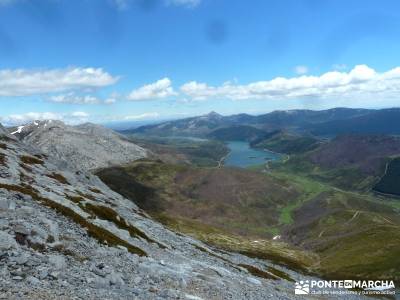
[281, 204]
[314, 202]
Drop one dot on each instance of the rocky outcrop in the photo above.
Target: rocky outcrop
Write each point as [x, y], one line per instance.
[64, 235]
[86, 146]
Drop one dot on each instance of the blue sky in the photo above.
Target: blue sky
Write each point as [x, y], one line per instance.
[116, 60]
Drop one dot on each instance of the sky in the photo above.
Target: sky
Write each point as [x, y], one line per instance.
[137, 60]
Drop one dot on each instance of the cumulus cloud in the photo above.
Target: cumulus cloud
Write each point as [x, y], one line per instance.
[301, 70]
[69, 118]
[361, 81]
[186, 3]
[23, 82]
[157, 90]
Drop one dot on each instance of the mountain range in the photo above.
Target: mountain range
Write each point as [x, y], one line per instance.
[329, 122]
[230, 233]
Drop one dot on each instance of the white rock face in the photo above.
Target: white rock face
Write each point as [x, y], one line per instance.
[86, 147]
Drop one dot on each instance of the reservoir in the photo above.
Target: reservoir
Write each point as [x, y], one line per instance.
[241, 155]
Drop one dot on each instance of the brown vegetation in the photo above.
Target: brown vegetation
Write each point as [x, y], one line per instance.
[31, 160]
[61, 179]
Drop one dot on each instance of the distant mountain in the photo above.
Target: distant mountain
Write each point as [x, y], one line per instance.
[86, 146]
[298, 119]
[237, 133]
[290, 120]
[195, 126]
[385, 121]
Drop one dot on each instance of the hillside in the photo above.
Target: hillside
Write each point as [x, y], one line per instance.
[389, 183]
[288, 143]
[66, 235]
[86, 146]
[348, 161]
[339, 233]
[239, 201]
[237, 133]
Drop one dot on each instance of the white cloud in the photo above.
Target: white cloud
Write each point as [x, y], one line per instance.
[186, 3]
[144, 116]
[361, 81]
[301, 70]
[75, 99]
[69, 118]
[157, 90]
[23, 82]
[17, 119]
[79, 114]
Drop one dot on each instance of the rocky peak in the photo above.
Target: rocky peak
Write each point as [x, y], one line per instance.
[214, 115]
[86, 146]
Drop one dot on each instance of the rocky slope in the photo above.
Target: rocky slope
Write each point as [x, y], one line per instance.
[65, 235]
[86, 146]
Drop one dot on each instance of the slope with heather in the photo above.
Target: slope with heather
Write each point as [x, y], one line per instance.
[353, 162]
[240, 210]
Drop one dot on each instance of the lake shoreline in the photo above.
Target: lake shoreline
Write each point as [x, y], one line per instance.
[243, 155]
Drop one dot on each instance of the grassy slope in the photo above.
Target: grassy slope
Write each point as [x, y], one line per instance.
[347, 178]
[354, 235]
[288, 143]
[232, 209]
[342, 234]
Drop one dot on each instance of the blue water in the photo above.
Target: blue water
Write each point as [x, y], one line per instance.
[243, 156]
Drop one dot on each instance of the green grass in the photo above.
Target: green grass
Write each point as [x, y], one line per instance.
[350, 178]
[309, 189]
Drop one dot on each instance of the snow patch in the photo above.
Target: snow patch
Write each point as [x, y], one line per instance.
[19, 130]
